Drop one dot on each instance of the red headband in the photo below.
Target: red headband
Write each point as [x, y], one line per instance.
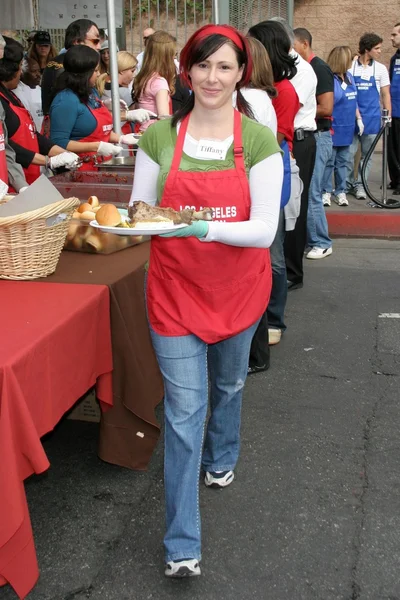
[227, 31]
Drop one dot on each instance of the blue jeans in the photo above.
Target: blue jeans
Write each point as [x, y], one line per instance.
[186, 363]
[277, 301]
[366, 143]
[337, 164]
[317, 225]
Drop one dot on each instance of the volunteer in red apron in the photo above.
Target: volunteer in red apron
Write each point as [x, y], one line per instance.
[31, 148]
[208, 284]
[78, 118]
[345, 115]
[394, 130]
[373, 85]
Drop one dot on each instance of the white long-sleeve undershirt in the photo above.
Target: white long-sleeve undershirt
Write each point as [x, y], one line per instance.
[265, 182]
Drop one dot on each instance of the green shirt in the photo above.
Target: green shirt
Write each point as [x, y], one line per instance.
[159, 140]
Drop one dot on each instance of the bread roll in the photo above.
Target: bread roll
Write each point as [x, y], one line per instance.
[96, 208]
[108, 215]
[83, 207]
[88, 215]
[76, 215]
[95, 242]
[72, 230]
[93, 201]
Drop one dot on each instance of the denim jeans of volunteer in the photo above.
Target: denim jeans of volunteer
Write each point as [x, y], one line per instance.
[337, 165]
[317, 225]
[353, 184]
[277, 301]
[188, 365]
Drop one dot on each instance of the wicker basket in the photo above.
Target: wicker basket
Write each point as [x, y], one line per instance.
[29, 246]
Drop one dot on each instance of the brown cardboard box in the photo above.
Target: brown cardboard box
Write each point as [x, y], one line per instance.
[86, 409]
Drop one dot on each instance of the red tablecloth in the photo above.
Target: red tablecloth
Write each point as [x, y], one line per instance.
[55, 345]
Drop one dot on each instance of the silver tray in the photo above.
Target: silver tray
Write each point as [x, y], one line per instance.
[118, 163]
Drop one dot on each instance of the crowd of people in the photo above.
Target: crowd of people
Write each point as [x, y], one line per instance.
[259, 128]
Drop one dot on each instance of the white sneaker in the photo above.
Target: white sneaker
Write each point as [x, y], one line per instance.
[326, 199]
[317, 253]
[218, 480]
[341, 199]
[360, 194]
[183, 568]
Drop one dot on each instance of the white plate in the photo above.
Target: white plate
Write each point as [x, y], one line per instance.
[150, 229]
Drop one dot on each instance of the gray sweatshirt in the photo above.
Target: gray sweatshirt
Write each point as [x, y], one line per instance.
[16, 176]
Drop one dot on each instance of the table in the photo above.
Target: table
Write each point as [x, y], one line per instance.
[129, 431]
[55, 345]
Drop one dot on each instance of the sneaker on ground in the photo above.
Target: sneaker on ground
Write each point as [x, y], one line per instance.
[217, 479]
[183, 568]
[274, 336]
[341, 199]
[326, 199]
[360, 194]
[317, 253]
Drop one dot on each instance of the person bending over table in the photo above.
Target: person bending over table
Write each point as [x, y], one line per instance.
[207, 283]
[78, 118]
[31, 148]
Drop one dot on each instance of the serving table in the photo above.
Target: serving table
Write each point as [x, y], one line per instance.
[55, 345]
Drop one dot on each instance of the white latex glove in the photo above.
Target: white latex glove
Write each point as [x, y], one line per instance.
[129, 139]
[3, 189]
[140, 115]
[360, 126]
[65, 159]
[107, 149]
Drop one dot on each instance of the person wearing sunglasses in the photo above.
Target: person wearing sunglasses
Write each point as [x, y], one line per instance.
[79, 32]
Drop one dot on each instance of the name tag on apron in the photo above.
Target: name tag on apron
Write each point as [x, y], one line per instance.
[365, 76]
[397, 62]
[212, 150]
[344, 85]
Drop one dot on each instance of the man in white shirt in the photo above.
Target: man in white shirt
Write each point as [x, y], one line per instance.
[373, 87]
[146, 34]
[29, 90]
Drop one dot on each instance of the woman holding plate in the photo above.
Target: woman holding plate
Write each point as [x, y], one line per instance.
[207, 283]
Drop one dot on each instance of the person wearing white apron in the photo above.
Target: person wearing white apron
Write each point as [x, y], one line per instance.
[373, 85]
[394, 131]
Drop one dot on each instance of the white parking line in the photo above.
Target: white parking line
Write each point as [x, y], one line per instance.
[389, 316]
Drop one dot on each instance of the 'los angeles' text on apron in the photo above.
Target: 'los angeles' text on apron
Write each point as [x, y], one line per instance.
[208, 289]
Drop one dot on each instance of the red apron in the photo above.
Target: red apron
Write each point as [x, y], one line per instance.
[100, 134]
[208, 289]
[26, 137]
[3, 159]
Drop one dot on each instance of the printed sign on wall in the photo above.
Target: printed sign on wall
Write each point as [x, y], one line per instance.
[58, 15]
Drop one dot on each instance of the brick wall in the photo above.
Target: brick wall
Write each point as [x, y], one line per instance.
[342, 22]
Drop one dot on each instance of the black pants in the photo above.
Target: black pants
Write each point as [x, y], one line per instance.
[259, 351]
[295, 241]
[394, 153]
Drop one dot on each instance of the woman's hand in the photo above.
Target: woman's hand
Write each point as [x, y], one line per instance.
[65, 159]
[107, 149]
[198, 229]
[140, 115]
[129, 139]
[360, 126]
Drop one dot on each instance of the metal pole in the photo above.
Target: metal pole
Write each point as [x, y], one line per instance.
[385, 122]
[290, 12]
[112, 41]
[131, 23]
[216, 12]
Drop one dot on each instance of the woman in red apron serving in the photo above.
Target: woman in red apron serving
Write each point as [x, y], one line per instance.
[78, 118]
[31, 148]
[208, 284]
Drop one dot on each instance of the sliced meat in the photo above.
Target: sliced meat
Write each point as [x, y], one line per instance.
[143, 212]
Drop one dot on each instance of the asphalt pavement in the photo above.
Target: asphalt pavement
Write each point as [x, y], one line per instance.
[314, 511]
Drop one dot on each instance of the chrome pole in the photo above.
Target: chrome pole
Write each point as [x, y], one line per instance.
[112, 40]
[216, 12]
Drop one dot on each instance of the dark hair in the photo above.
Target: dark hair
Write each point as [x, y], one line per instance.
[76, 32]
[80, 63]
[197, 52]
[13, 54]
[396, 25]
[303, 35]
[368, 41]
[277, 43]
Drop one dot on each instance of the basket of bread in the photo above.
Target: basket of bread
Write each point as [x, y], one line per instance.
[31, 242]
[82, 237]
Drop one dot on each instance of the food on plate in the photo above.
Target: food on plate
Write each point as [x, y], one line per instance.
[93, 201]
[141, 212]
[108, 215]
